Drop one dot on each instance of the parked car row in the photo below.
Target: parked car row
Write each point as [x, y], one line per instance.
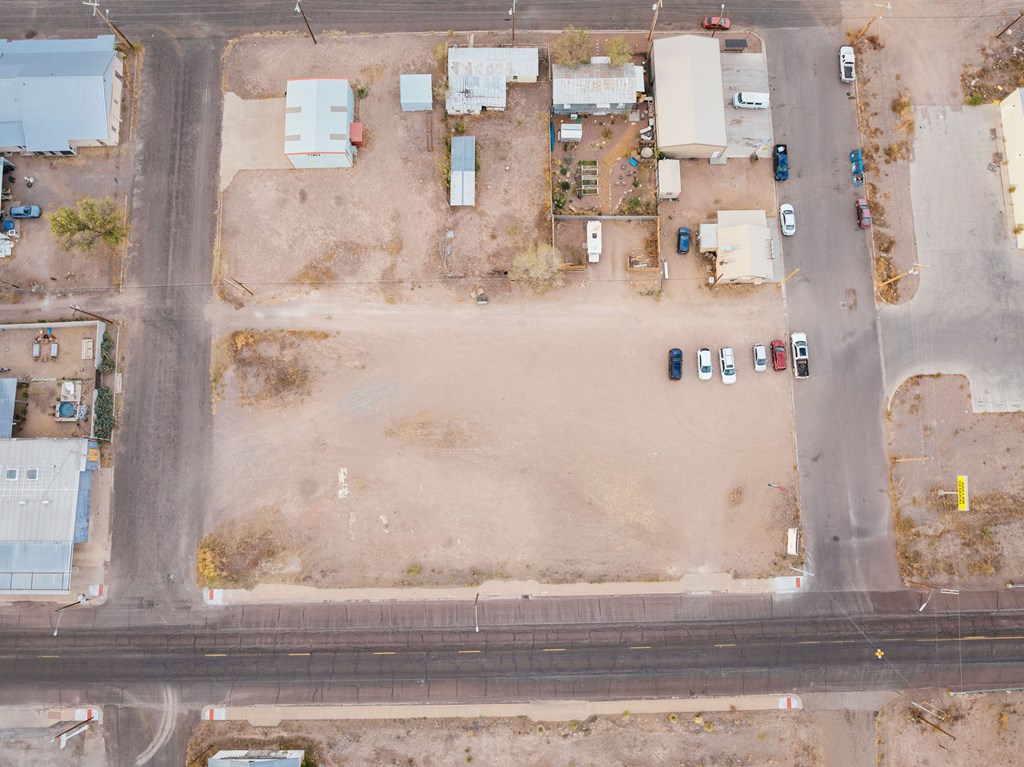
[775, 351]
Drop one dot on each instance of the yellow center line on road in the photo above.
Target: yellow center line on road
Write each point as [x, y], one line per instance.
[384, 652]
[733, 644]
[469, 652]
[811, 641]
[216, 654]
[640, 647]
[971, 639]
[47, 656]
[298, 654]
[554, 649]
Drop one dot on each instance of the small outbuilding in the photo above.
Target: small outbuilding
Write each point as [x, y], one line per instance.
[597, 88]
[477, 77]
[416, 93]
[317, 124]
[670, 183]
[463, 175]
[570, 132]
[686, 75]
[263, 757]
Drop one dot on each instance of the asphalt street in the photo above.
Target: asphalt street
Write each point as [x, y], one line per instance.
[840, 433]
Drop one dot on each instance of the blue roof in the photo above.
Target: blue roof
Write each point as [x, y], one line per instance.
[463, 176]
[53, 92]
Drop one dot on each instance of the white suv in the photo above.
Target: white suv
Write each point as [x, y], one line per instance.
[727, 364]
[704, 364]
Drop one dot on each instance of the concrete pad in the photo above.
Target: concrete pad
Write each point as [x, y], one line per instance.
[968, 314]
[746, 130]
[252, 136]
[553, 711]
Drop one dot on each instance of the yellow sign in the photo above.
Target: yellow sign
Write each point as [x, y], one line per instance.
[963, 499]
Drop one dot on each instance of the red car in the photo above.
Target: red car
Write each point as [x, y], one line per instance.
[716, 22]
[863, 214]
[778, 355]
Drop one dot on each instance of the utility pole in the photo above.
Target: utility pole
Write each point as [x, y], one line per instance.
[82, 599]
[1010, 25]
[76, 308]
[476, 615]
[113, 27]
[881, 8]
[721, 15]
[916, 269]
[298, 9]
[656, 8]
[512, 13]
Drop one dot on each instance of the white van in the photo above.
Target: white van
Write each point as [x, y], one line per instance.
[749, 100]
[593, 241]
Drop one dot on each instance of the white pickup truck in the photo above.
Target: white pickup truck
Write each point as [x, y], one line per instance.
[847, 64]
[801, 366]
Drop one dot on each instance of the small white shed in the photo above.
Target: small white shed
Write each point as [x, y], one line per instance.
[570, 132]
[463, 173]
[416, 93]
[670, 184]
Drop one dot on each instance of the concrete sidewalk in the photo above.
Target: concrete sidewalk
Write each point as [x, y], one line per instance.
[553, 711]
[722, 583]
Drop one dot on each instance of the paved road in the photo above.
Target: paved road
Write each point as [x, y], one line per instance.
[840, 434]
[585, 648]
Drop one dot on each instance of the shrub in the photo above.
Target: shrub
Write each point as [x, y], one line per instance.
[107, 355]
[572, 48]
[362, 92]
[103, 417]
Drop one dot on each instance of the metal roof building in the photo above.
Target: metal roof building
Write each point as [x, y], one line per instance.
[59, 95]
[595, 88]
[688, 97]
[416, 93]
[318, 123]
[463, 176]
[257, 758]
[8, 393]
[45, 487]
[477, 76]
[744, 247]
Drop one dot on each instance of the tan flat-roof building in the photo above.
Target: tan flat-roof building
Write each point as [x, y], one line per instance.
[689, 99]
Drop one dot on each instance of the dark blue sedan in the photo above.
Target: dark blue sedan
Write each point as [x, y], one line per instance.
[675, 364]
[780, 161]
[683, 240]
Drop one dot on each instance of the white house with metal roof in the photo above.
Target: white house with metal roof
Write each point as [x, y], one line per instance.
[477, 77]
[57, 96]
[597, 88]
[318, 123]
[45, 489]
[463, 175]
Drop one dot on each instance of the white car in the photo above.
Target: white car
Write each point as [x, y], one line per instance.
[727, 364]
[760, 358]
[847, 64]
[704, 369]
[787, 217]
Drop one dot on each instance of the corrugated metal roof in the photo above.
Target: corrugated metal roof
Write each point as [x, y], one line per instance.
[317, 116]
[39, 481]
[463, 176]
[688, 95]
[593, 84]
[8, 393]
[53, 92]
[416, 92]
[477, 76]
[257, 758]
[35, 567]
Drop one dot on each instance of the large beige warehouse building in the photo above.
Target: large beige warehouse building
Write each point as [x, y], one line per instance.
[688, 97]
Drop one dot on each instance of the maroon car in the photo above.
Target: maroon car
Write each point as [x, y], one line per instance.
[778, 354]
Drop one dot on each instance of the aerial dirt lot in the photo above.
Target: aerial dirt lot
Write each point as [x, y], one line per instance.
[780, 740]
[383, 223]
[982, 730]
[933, 437]
[430, 443]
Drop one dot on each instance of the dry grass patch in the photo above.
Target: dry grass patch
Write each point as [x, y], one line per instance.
[243, 550]
[317, 270]
[267, 365]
